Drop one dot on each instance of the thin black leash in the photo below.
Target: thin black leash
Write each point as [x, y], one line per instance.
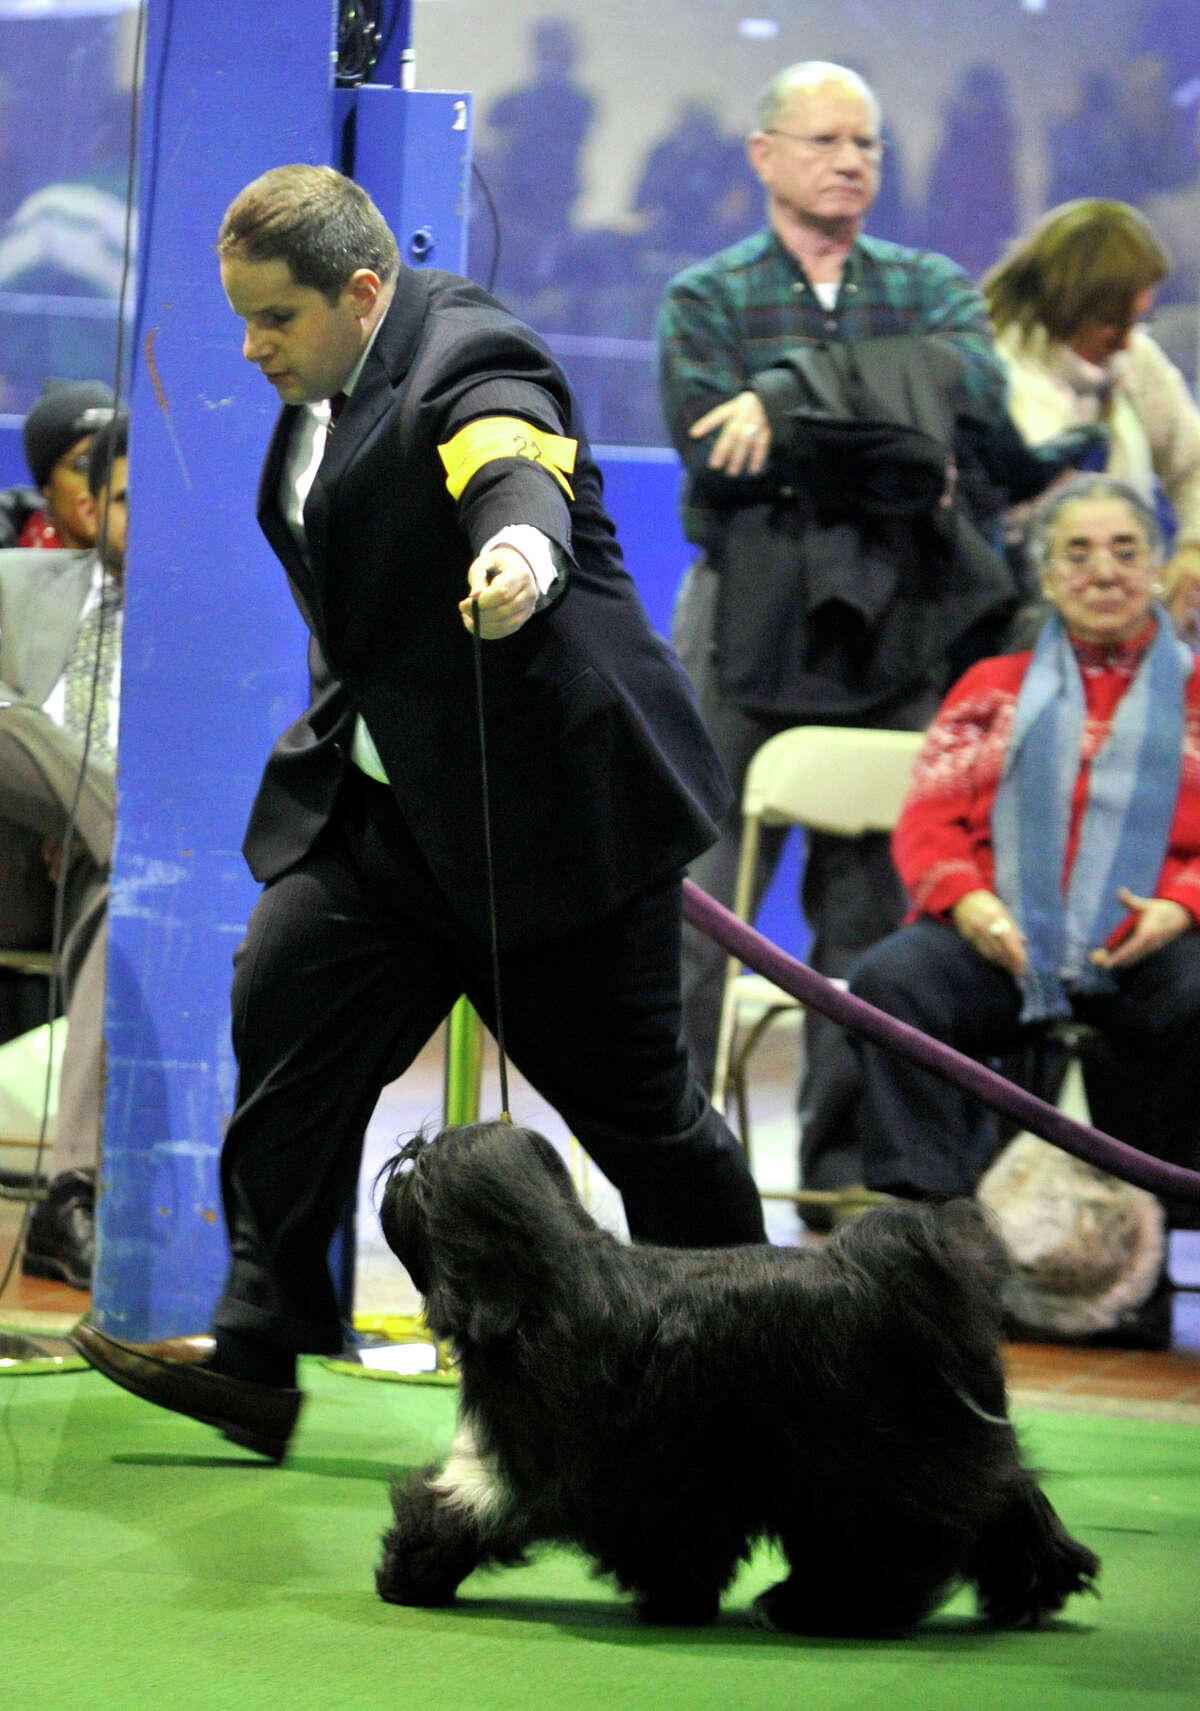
[505, 1114]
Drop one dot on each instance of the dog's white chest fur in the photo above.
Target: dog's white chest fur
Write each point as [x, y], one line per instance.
[470, 1481]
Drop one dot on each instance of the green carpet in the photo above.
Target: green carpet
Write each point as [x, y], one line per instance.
[147, 1566]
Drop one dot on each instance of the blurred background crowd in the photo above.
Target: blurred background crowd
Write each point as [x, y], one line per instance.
[610, 153]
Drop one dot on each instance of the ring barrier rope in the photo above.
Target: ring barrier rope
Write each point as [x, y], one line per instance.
[818, 993]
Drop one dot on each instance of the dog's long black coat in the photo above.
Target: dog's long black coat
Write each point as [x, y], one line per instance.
[664, 1410]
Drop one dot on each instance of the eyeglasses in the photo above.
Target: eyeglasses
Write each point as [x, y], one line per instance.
[827, 143]
[1078, 562]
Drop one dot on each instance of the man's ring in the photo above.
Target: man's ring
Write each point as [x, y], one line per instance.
[998, 927]
[750, 430]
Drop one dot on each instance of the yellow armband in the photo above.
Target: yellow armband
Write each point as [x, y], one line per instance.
[492, 437]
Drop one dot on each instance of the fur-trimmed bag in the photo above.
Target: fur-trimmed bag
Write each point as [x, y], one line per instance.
[1088, 1249]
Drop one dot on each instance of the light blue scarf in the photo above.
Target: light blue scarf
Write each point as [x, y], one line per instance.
[1132, 791]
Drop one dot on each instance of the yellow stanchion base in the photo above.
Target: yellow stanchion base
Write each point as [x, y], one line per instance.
[399, 1349]
[34, 1343]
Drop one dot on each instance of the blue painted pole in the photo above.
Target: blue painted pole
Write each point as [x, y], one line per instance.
[214, 653]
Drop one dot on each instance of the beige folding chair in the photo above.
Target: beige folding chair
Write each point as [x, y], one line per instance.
[830, 778]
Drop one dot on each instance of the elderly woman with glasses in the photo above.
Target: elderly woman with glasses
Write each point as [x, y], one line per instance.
[1065, 302]
[1050, 845]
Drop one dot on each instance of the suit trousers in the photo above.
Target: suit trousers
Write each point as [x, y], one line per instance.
[351, 960]
[39, 785]
[850, 896]
[921, 1136]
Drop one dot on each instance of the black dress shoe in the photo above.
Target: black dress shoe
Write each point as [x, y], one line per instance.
[173, 1375]
[61, 1239]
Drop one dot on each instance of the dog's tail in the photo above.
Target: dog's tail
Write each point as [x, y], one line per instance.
[1025, 1565]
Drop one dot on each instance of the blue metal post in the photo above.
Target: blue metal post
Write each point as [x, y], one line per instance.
[214, 653]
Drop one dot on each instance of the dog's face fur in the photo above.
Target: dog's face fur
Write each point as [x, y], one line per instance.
[476, 1217]
[666, 1409]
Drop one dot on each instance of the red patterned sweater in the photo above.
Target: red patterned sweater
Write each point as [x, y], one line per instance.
[942, 842]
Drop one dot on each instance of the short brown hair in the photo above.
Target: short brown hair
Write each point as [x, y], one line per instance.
[1083, 261]
[320, 222]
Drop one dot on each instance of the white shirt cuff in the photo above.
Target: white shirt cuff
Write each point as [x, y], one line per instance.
[535, 548]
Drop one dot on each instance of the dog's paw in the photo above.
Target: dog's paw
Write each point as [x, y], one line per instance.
[761, 1615]
[424, 1567]
[421, 1585]
[678, 1608]
[429, 1551]
[1026, 1564]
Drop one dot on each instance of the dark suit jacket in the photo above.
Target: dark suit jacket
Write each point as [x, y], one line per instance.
[602, 778]
[42, 593]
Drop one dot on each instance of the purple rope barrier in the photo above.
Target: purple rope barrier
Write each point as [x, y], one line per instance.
[813, 990]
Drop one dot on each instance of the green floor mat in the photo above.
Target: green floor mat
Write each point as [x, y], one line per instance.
[146, 1565]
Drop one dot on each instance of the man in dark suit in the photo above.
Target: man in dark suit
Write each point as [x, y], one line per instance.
[457, 470]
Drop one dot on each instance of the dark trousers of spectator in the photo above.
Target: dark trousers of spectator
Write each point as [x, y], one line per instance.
[921, 1136]
[350, 962]
[850, 897]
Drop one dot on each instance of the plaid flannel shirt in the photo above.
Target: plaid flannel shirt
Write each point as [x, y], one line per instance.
[729, 318]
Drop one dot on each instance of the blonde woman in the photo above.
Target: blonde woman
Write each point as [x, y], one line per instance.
[1065, 303]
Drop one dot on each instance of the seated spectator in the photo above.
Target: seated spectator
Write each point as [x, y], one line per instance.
[1050, 845]
[1065, 302]
[57, 510]
[60, 633]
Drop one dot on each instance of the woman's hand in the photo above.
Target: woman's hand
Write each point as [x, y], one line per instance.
[1157, 921]
[986, 924]
[1181, 586]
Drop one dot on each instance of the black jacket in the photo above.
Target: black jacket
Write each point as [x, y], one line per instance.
[602, 777]
[865, 573]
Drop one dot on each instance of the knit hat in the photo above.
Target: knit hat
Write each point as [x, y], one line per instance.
[65, 412]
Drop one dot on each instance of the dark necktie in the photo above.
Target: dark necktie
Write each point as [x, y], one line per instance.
[336, 405]
[89, 679]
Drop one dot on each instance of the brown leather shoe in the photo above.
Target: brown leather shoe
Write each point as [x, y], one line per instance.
[260, 1417]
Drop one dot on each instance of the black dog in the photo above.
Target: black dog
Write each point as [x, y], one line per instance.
[664, 1410]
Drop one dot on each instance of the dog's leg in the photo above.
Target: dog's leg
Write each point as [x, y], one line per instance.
[679, 1603]
[431, 1548]
[676, 1572]
[1025, 1565]
[683, 1599]
[819, 1600]
[447, 1523]
[859, 1566]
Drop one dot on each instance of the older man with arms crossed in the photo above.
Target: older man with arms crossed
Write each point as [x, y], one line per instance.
[832, 588]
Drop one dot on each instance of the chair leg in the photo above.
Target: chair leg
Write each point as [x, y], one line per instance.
[739, 1067]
